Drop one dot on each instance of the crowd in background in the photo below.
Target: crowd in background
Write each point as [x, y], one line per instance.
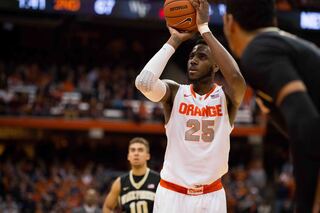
[43, 84]
[77, 91]
[49, 177]
[29, 89]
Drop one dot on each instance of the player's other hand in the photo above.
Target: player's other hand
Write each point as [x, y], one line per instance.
[178, 37]
[202, 7]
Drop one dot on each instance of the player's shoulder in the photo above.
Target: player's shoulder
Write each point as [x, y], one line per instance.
[263, 48]
[154, 176]
[124, 176]
[154, 173]
[273, 41]
[171, 83]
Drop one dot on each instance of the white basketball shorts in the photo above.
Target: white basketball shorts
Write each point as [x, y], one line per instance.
[167, 200]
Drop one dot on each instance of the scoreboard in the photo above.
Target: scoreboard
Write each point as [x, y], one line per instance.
[127, 9]
[142, 9]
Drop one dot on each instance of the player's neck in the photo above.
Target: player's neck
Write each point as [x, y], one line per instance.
[241, 42]
[139, 170]
[202, 87]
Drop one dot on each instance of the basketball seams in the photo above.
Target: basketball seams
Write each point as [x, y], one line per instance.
[175, 1]
[189, 28]
[179, 15]
[174, 16]
[165, 4]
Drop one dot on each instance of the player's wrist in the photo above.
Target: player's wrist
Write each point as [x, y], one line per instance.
[174, 41]
[170, 49]
[204, 28]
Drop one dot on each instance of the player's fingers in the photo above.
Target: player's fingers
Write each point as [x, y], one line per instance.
[172, 30]
[194, 3]
[193, 33]
[202, 4]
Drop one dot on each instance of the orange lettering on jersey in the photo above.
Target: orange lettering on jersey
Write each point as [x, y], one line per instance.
[197, 111]
[190, 110]
[183, 108]
[204, 111]
[211, 111]
[193, 110]
[218, 107]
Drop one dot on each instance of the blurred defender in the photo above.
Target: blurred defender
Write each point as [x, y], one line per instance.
[285, 72]
[199, 119]
[135, 191]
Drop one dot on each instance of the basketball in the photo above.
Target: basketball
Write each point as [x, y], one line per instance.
[180, 14]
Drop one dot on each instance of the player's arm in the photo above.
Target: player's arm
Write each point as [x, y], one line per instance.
[111, 200]
[234, 82]
[148, 81]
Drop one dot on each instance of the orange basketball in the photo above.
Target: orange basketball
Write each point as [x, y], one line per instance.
[180, 14]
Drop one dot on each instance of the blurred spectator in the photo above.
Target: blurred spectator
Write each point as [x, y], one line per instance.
[284, 190]
[90, 203]
[257, 175]
[9, 205]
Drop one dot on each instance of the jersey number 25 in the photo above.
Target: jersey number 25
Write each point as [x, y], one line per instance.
[207, 132]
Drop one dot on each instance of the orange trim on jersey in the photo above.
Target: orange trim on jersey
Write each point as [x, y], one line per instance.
[192, 91]
[202, 189]
[207, 95]
[211, 91]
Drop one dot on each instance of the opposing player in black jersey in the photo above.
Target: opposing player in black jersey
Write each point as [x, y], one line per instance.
[284, 71]
[134, 191]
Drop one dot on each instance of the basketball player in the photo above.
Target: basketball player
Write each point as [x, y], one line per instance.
[199, 119]
[135, 191]
[284, 71]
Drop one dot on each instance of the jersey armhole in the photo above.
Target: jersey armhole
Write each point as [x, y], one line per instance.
[173, 104]
[231, 127]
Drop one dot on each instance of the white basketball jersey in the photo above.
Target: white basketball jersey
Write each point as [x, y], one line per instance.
[198, 138]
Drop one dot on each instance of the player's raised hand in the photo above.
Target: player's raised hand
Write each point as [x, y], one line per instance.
[178, 37]
[202, 7]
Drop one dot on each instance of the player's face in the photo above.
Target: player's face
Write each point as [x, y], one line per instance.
[200, 63]
[138, 154]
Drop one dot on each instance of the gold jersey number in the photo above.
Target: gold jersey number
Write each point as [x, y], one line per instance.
[139, 207]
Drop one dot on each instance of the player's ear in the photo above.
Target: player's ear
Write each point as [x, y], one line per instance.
[228, 23]
[148, 156]
[215, 68]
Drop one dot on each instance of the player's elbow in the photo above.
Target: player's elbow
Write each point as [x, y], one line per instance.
[142, 83]
[138, 82]
[106, 208]
[240, 91]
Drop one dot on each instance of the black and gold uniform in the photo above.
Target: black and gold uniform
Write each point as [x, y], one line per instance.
[138, 192]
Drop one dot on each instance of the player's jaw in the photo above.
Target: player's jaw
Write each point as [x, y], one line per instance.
[192, 75]
[138, 159]
[196, 73]
[138, 162]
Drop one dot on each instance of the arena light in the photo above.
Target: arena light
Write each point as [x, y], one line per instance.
[310, 20]
[139, 8]
[32, 4]
[104, 7]
[222, 9]
[67, 5]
